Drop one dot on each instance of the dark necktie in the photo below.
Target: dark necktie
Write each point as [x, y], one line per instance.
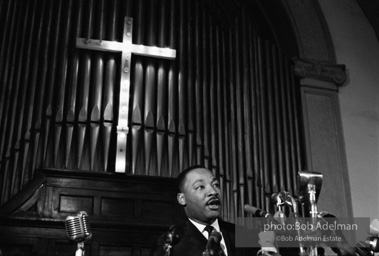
[209, 229]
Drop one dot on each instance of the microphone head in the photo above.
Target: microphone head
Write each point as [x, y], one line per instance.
[216, 236]
[374, 228]
[213, 244]
[78, 228]
[250, 209]
[256, 211]
[174, 234]
[278, 199]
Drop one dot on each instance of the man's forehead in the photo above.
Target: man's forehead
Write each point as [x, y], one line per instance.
[199, 174]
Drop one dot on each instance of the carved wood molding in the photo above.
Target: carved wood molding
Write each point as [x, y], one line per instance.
[127, 213]
[317, 70]
[108, 198]
[26, 198]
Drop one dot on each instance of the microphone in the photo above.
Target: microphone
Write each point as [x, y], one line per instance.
[268, 247]
[374, 228]
[341, 247]
[256, 211]
[213, 244]
[374, 235]
[78, 230]
[173, 236]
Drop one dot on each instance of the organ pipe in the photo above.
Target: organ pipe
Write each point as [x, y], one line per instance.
[228, 100]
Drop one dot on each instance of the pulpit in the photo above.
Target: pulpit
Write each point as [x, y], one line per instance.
[126, 213]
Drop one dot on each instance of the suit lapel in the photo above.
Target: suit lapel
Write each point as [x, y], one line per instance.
[196, 238]
[228, 236]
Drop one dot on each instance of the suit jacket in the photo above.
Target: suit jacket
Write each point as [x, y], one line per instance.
[193, 242]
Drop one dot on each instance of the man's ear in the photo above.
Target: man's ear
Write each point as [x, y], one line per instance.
[181, 199]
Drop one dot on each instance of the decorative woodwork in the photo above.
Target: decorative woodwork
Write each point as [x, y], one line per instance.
[126, 213]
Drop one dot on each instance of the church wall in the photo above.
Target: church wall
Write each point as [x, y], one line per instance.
[357, 47]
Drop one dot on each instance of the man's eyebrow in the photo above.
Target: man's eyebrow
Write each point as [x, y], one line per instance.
[198, 180]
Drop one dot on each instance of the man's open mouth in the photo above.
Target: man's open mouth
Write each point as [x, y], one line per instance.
[214, 203]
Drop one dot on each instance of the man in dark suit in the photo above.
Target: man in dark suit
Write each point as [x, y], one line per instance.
[200, 196]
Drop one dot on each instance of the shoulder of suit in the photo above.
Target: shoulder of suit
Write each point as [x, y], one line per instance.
[226, 225]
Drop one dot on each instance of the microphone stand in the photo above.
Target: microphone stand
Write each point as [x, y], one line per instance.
[173, 236]
[80, 249]
[168, 246]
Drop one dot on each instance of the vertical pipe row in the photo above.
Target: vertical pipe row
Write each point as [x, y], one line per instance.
[22, 80]
[213, 103]
[163, 91]
[96, 87]
[232, 125]
[172, 126]
[239, 119]
[289, 148]
[150, 88]
[228, 101]
[198, 88]
[59, 92]
[204, 88]
[262, 131]
[109, 89]
[183, 84]
[294, 114]
[6, 81]
[10, 105]
[285, 129]
[37, 122]
[137, 90]
[27, 131]
[72, 95]
[85, 66]
[219, 154]
[52, 87]
[278, 121]
[255, 107]
[225, 124]
[272, 165]
[191, 82]
[247, 110]
[7, 13]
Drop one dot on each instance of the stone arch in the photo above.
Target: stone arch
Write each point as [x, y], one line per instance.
[300, 28]
[319, 82]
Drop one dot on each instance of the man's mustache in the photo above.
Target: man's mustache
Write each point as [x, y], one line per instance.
[214, 200]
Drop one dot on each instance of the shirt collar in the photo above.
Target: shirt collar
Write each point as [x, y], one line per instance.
[201, 227]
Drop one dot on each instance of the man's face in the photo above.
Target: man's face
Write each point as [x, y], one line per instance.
[201, 196]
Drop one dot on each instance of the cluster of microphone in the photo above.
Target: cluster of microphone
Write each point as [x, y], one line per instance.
[79, 231]
[175, 234]
[371, 245]
[172, 237]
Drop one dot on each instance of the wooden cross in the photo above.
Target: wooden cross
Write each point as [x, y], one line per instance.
[127, 48]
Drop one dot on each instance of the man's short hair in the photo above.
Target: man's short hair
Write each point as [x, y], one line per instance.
[180, 179]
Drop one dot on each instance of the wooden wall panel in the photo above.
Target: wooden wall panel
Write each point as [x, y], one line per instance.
[126, 214]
